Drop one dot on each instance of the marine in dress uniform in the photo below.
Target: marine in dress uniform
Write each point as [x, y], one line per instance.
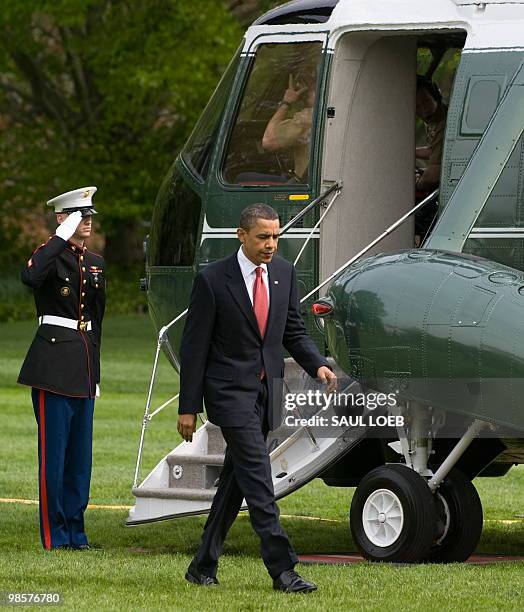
[63, 366]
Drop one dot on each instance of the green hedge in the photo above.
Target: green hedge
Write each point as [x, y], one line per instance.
[16, 300]
[123, 294]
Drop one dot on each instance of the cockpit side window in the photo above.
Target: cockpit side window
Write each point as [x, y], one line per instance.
[271, 138]
[174, 227]
[198, 149]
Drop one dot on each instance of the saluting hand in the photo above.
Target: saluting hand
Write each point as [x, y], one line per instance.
[68, 227]
[291, 94]
[186, 426]
[327, 377]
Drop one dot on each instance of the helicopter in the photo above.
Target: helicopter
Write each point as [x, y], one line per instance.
[431, 316]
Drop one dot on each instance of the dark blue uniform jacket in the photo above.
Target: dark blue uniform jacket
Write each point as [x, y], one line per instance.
[67, 281]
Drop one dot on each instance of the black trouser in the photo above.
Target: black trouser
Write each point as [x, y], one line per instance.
[247, 474]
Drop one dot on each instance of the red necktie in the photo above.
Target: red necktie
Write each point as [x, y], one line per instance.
[260, 306]
[260, 301]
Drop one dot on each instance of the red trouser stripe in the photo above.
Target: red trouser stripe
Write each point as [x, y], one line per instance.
[43, 487]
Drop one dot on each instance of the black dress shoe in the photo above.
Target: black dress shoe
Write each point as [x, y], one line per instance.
[290, 582]
[81, 547]
[195, 577]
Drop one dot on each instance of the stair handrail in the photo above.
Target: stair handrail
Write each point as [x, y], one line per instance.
[374, 242]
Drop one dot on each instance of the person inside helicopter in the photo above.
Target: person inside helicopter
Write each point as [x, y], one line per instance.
[293, 132]
[288, 131]
[433, 112]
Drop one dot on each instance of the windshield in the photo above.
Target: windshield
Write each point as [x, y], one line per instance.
[271, 138]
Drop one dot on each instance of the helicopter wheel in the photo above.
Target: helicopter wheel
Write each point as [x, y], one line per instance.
[459, 519]
[393, 515]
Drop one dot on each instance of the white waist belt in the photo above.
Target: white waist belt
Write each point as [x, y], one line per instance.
[63, 322]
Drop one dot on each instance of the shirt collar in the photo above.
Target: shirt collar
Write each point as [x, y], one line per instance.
[76, 249]
[247, 267]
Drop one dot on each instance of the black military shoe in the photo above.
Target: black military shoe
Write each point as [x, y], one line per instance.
[195, 577]
[290, 582]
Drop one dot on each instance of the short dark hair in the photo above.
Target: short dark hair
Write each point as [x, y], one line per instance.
[250, 214]
[423, 82]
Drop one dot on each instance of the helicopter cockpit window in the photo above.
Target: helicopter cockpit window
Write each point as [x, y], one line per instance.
[271, 139]
[198, 149]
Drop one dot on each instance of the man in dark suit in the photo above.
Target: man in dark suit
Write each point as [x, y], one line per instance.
[243, 310]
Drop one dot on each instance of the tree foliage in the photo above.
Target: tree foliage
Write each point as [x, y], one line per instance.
[102, 92]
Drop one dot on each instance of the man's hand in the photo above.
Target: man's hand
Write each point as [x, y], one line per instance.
[186, 426]
[68, 227]
[291, 94]
[327, 377]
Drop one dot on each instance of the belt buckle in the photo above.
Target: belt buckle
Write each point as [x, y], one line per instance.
[82, 326]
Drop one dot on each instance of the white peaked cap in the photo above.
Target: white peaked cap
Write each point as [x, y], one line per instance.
[78, 199]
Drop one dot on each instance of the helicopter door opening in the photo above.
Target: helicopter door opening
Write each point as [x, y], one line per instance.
[370, 145]
[370, 140]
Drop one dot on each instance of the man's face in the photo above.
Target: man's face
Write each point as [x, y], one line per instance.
[83, 231]
[260, 242]
[426, 105]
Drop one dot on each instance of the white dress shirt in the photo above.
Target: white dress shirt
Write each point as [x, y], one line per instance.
[247, 267]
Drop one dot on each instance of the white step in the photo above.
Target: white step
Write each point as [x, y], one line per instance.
[175, 493]
[179, 459]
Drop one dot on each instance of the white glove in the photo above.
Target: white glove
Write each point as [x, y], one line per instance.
[68, 227]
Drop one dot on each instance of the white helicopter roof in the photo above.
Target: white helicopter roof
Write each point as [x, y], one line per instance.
[490, 25]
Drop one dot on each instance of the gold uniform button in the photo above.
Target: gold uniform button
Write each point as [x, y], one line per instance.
[96, 285]
[67, 279]
[53, 339]
[81, 258]
[83, 269]
[84, 281]
[82, 318]
[83, 294]
[81, 305]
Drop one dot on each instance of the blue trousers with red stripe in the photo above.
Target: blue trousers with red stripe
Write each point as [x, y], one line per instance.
[65, 434]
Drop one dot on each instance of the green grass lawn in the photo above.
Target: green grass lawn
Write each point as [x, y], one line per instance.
[143, 567]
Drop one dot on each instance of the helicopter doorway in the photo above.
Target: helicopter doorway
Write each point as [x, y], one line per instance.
[370, 145]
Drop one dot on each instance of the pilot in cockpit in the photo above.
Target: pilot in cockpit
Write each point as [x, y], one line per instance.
[285, 131]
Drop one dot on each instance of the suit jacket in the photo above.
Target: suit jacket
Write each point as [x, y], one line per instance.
[67, 281]
[222, 352]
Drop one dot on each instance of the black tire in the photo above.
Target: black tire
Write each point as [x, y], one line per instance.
[459, 519]
[416, 528]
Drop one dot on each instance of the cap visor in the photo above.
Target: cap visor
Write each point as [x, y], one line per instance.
[87, 212]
